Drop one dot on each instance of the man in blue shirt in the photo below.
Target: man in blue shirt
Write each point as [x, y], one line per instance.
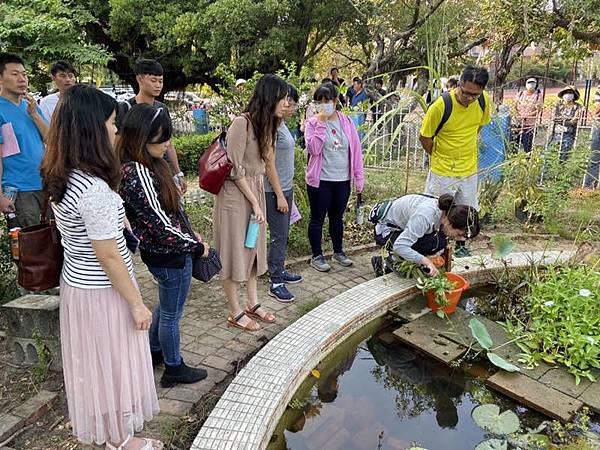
[22, 132]
[359, 95]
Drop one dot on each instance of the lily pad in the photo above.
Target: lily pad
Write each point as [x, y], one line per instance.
[492, 444]
[499, 361]
[489, 418]
[480, 333]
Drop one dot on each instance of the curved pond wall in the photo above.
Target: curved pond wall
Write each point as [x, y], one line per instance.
[249, 410]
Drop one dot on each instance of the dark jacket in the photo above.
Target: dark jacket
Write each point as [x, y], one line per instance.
[165, 240]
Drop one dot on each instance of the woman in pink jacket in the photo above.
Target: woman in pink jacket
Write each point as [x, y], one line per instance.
[334, 163]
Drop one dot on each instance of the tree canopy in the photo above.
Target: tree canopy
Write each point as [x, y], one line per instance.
[191, 38]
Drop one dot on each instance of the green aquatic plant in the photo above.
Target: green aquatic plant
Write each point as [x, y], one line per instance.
[480, 333]
[439, 284]
[562, 322]
[489, 418]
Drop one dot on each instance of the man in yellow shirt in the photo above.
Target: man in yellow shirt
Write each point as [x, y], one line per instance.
[449, 134]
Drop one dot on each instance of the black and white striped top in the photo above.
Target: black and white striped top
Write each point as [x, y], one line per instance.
[90, 210]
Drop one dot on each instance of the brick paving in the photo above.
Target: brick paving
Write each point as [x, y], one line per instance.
[207, 341]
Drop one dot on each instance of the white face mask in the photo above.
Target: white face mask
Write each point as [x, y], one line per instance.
[530, 86]
[569, 97]
[327, 108]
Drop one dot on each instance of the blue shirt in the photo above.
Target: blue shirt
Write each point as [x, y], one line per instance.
[22, 170]
[359, 98]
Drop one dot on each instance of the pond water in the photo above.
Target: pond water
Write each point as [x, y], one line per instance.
[376, 393]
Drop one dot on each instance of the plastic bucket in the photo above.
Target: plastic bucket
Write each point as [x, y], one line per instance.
[452, 296]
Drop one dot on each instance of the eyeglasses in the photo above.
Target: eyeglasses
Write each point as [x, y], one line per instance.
[469, 94]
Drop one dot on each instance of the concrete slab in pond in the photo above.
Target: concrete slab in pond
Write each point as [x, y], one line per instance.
[429, 343]
[561, 380]
[591, 396]
[411, 310]
[534, 394]
[512, 354]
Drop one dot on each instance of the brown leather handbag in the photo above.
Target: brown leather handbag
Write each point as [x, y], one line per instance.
[40, 255]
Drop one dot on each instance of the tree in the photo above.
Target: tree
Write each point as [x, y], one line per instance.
[43, 31]
[190, 38]
[398, 35]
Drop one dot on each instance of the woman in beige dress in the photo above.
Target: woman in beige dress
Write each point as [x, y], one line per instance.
[250, 142]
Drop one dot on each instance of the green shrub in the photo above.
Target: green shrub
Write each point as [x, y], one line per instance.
[8, 274]
[189, 149]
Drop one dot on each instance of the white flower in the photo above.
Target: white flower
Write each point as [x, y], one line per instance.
[549, 303]
[590, 340]
[585, 292]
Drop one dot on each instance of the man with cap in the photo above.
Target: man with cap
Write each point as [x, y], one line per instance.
[529, 106]
[566, 117]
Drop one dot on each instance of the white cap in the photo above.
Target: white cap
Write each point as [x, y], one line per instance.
[531, 80]
[239, 82]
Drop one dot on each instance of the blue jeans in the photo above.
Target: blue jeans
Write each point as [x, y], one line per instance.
[173, 288]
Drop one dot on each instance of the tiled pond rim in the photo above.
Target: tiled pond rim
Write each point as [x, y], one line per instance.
[249, 410]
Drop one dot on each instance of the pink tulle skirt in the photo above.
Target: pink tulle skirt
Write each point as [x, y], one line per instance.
[107, 366]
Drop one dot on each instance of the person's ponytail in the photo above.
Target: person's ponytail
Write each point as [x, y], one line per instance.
[445, 202]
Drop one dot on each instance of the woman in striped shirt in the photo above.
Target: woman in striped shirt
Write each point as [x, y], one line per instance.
[104, 324]
[153, 206]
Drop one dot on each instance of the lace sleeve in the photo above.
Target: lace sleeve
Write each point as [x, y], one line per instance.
[99, 209]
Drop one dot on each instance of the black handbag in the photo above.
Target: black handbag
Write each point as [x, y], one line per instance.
[204, 268]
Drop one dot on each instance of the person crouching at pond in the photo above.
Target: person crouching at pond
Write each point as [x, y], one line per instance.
[334, 162]
[279, 198]
[107, 366]
[417, 226]
[250, 143]
[167, 245]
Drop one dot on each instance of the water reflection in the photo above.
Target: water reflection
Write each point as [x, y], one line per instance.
[420, 384]
[381, 395]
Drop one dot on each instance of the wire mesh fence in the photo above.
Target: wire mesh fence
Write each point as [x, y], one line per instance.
[395, 143]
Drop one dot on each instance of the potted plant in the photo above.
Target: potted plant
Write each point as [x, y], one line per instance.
[443, 291]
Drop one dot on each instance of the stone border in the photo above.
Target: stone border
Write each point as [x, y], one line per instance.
[248, 412]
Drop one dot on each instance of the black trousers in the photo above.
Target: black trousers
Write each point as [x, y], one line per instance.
[427, 245]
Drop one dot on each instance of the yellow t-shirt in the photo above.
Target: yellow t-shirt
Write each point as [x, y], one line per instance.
[454, 150]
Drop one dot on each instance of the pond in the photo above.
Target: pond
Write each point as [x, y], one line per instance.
[373, 392]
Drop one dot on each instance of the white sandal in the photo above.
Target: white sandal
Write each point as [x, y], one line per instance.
[149, 444]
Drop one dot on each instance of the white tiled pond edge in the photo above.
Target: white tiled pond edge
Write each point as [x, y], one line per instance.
[249, 410]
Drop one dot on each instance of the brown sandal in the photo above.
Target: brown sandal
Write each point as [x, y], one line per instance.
[252, 314]
[234, 322]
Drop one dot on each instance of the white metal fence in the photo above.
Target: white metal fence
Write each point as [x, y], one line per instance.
[390, 147]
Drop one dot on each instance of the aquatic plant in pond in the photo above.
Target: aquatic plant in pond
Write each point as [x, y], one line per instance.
[562, 324]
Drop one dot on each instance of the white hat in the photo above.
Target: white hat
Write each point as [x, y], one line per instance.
[531, 80]
[239, 82]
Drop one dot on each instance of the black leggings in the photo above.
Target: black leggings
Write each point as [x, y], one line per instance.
[329, 199]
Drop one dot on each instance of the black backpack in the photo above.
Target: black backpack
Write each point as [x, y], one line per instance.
[448, 109]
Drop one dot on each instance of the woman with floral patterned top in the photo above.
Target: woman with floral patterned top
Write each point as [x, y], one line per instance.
[153, 207]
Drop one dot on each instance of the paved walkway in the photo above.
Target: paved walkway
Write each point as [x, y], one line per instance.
[207, 341]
